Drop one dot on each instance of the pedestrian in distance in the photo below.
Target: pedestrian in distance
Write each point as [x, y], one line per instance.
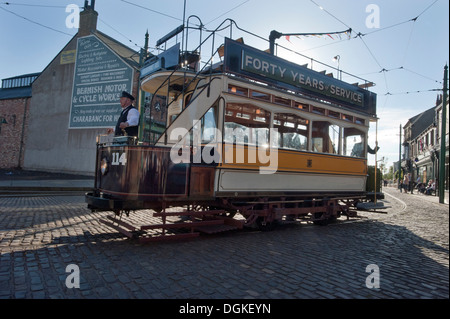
[406, 183]
[411, 183]
[430, 188]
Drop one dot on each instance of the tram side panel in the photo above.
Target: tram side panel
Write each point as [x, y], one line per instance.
[294, 172]
[140, 173]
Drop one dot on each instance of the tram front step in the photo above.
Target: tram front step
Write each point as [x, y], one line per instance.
[213, 229]
[184, 224]
[123, 229]
[189, 213]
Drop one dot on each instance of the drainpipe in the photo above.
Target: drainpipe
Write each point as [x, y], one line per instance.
[22, 135]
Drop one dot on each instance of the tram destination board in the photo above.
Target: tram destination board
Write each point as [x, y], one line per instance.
[250, 62]
[100, 77]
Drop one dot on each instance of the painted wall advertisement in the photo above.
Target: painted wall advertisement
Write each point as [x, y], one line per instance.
[99, 79]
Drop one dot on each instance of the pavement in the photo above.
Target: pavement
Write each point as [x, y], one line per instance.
[22, 180]
[429, 198]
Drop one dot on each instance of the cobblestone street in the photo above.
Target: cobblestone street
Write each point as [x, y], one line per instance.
[41, 236]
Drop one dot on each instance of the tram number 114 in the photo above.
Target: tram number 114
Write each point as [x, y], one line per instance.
[119, 159]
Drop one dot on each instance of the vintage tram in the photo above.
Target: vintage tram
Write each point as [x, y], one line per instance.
[250, 140]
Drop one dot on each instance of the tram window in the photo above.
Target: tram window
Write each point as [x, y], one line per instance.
[246, 124]
[360, 121]
[209, 125]
[334, 135]
[281, 101]
[304, 107]
[348, 118]
[237, 90]
[154, 115]
[333, 114]
[318, 110]
[260, 95]
[292, 132]
[325, 137]
[354, 142]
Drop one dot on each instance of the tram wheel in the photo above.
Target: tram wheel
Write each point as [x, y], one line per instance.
[264, 225]
[320, 222]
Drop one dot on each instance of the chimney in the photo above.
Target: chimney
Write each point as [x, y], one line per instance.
[88, 19]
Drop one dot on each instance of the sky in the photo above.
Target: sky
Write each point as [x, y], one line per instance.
[400, 45]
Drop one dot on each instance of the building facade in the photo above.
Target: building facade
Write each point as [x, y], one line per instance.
[421, 145]
[440, 122]
[15, 98]
[74, 95]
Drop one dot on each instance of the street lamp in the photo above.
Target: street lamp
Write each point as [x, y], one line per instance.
[337, 59]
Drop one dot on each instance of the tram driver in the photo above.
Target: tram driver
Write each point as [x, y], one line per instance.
[358, 148]
[128, 122]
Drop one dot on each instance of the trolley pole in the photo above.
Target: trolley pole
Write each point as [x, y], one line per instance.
[442, 154]
[142, 56]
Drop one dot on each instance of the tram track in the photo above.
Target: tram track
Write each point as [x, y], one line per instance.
[404, 205]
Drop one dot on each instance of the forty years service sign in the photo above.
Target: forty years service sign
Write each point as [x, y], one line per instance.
[99, 79]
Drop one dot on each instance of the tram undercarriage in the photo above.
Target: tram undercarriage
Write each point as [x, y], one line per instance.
[171, 221]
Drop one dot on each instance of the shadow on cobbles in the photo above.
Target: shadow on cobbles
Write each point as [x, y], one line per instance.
[299, 262]
[40, 237]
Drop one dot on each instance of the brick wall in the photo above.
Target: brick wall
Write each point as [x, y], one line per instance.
[14, 111]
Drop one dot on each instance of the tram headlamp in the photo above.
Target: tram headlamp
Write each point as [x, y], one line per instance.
[104, 166]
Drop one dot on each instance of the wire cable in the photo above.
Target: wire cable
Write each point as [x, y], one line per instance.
[411, 92]
[154, 11]
[40, 24]
[31, 5]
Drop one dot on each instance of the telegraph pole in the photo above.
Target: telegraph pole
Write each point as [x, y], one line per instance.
[443, 140]
[400, 159]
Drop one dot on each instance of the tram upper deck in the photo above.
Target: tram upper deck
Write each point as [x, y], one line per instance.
[254, 92]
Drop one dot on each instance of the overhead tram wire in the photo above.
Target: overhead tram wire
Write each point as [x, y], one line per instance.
[361, 35]
[409, 42]
[31, 5]
[412, 92]
[421, 75]
[322, 8]
[131, 41]
[154, 11]
[239, 5]
[39, 24]
[368, 33]
[401, 68]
